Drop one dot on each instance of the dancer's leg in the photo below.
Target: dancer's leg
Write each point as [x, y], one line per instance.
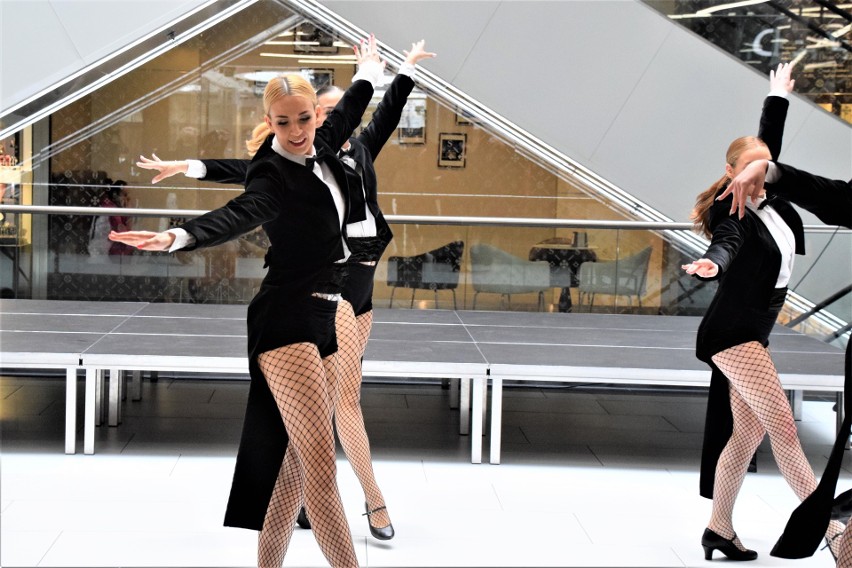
[751, 372]
[298, 381]
[365, 326]
[348, 417]
[732, 466]
[844, 555]
[287, 494]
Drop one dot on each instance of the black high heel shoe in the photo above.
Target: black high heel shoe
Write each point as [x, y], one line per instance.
[841, 509]
[712, 541]
[302, 520]
[383, 533]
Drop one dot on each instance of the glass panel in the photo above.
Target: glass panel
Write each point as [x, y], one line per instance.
[763, 33]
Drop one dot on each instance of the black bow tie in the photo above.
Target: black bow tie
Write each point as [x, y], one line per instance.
[309, 163]
[763, 204]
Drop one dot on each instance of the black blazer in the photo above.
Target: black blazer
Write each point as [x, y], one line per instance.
[746, 253]
[830, 200]
[293, 205]
[364, 149]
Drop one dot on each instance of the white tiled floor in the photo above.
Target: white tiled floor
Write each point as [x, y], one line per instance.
[588, 479]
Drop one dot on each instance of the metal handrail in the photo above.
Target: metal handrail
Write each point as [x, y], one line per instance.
[400, 219]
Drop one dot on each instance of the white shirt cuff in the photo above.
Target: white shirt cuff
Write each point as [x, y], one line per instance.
[195, 169]
[182, 239]
[408, 69]
[772, 173]
[778, 93]
[369, 71]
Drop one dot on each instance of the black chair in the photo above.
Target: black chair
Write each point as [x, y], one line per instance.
[434, 270]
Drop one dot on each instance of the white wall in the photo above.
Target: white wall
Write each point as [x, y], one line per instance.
[42, 42]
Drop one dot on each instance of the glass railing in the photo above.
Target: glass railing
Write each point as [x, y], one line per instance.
[515, 264]
[762, 33]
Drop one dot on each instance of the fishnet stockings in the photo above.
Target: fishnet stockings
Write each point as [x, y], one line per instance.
[844, 554]
[303, 386]
[352, 335]
[759, 406]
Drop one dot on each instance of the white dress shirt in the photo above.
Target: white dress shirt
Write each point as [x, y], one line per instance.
[781, 234]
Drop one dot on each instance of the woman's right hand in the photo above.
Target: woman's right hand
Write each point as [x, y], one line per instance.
[368, 52]
[166, 169]
[144, 240]
[703, 267]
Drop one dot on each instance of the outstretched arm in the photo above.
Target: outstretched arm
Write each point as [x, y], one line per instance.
[828, 199]
[219, 171]
[387, 115]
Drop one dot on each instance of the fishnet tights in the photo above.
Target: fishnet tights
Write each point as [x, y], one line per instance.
[844, 555]
[303, 386]
[352, 335]
[759, 406]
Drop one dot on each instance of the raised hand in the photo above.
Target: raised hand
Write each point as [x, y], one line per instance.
[144, 240]
[166, 169]
[368, 51]
[702, 267]
[747, 185]
[417, 52]
[779, 79]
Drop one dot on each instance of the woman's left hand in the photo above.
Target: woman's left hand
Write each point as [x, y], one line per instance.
[417, 52]
[702, 267]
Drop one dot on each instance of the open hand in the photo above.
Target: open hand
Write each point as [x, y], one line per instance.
[166, 169]
[747, 185]
[417, 52]
[144, 240]
[779, 79]
[702, 267]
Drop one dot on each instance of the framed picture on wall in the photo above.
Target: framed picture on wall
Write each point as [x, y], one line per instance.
[311, 39]
[319, 78]
[412, 123]
[451, 150]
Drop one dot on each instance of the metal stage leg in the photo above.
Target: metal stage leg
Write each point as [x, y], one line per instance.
[136, 385]
[454, 393]
[796, 397]
[496, 419]
[90, 411]
[464, 407]
[477, 412]
[71, 410]
[114, 397]
[484, 387]
[100, 396]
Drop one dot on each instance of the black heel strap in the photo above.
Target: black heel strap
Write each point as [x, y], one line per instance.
[376, 510]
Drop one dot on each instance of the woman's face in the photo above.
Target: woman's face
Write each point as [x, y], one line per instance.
[747, 157]
[293, 120]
